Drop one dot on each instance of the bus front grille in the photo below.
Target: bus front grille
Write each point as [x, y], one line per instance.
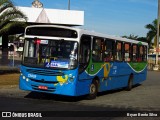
[44, 81]
[45, 72]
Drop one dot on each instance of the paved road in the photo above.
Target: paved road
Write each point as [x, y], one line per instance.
[144, 97]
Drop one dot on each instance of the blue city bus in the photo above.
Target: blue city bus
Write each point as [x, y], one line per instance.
[73, 62]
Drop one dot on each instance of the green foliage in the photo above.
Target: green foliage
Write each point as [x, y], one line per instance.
[10, 16]
[131, 36]
[152, 32]
[143, 39]
[135, 37]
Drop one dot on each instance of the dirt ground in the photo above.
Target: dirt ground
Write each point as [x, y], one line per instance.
[9, 79]
[9, 86]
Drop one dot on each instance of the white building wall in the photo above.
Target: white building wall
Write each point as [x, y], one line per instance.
[55, 16]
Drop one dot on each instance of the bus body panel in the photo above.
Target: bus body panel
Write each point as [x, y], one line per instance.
[118, 77]
[115, 80]
[64, 85]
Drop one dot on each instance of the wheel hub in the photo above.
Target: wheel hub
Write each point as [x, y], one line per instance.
[92, 89]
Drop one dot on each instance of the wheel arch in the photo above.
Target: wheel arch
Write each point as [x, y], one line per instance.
[96, 78]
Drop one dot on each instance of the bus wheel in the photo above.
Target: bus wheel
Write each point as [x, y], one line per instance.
[93, 90]
[130, 83]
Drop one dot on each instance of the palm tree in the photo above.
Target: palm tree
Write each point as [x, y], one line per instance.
[143, 39]
[152, 33]
[131, 36]
[10, 18]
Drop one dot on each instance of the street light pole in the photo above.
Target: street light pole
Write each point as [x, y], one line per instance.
[158, 31]
[68, 4]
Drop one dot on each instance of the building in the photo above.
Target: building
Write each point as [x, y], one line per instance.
[53, 16]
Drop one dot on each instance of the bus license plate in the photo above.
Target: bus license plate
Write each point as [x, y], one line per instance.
[43, 87]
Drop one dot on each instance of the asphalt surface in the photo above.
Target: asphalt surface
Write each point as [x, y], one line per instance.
[108, 105]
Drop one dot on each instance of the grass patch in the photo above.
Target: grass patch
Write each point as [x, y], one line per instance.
[9, 79]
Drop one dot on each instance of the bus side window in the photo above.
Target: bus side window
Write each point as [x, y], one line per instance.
[98, 46]
[119, 51]
[109, 50]
[127, 52]
[141, 53]
[145, 53]
[85, 49]
[134, 53]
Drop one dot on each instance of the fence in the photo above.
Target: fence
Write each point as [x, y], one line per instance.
[152, 61]
[10, 61]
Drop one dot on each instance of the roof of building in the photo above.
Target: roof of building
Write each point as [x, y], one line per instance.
[53, 16]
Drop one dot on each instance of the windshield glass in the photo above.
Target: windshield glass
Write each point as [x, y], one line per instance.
[54, 54]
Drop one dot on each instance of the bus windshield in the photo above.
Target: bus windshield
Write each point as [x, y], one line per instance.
[53, 54]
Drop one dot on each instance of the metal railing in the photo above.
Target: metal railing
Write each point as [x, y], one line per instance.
[152, 62]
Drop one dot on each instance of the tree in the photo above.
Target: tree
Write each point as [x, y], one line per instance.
[10, 16]
[152, 33]
[135, 37]
[11, 20]
[143, 39]
[131, 36]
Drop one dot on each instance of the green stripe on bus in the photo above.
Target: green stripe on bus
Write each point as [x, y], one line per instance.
[138, 66]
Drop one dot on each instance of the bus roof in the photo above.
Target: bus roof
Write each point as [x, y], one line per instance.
[87, 32]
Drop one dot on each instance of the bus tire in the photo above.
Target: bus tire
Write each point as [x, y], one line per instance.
[93, 90]
[130, 83]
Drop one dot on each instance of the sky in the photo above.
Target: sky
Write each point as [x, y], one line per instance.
[113, 17]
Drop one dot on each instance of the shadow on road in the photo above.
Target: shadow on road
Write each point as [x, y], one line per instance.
[47, 96]
[62, 98]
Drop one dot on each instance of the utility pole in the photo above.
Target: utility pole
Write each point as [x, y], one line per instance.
[69, 4]
[156, 67]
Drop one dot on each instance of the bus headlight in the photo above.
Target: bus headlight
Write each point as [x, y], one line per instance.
[71, 78]
[27, 79]
[24, 77]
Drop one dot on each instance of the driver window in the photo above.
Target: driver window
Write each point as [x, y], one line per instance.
[98, 47]
[85, 48]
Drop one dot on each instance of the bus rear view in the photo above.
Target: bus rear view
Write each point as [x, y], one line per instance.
[49, 61]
